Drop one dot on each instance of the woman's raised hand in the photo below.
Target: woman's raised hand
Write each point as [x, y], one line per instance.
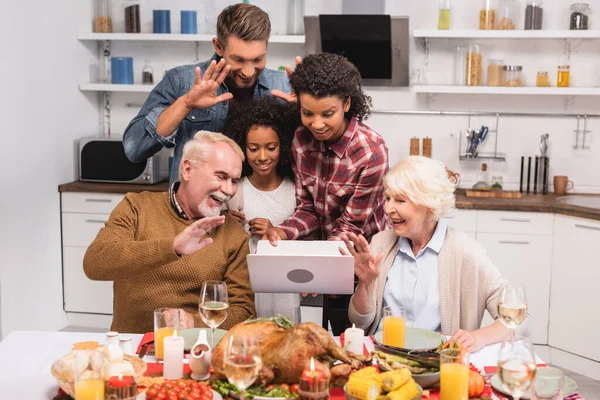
[366, 266]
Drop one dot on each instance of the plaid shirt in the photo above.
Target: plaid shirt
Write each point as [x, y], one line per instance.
[339, 188]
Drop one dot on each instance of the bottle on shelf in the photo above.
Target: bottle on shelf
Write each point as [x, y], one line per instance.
[482, 178]
[534, 15]
[487, 15]
[507, 15]
[444, 15]
[473, 66]
[132, 16]
[564, 75]
[147, 74]
[102, 16]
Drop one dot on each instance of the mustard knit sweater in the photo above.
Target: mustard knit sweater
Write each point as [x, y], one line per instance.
[135, 250]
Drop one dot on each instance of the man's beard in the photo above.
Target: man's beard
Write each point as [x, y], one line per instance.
[207, 211]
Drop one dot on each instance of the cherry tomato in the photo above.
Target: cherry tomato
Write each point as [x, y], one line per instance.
[207, 396]
[194, 396]
[193, 385]
[160, 396]
[294, 388]
[271, 386]
[285, 386]
[150, 393]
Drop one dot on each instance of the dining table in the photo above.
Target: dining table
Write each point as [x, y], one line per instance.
[27, 356]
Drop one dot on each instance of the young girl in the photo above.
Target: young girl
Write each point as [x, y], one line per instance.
[339, 162]
[266, 194]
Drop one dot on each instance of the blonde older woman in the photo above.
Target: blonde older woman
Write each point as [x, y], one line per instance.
[441, 277]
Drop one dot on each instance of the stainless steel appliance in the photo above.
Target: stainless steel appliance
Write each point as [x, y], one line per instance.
[377, 44]
[103, 159]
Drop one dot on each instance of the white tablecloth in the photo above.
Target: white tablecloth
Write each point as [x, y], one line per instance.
[26, 358]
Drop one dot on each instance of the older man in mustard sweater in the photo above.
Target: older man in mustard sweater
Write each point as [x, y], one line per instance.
[158, 248]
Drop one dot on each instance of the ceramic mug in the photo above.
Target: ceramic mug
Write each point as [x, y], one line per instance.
[562, 184]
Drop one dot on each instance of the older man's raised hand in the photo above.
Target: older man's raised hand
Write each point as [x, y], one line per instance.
[191, 239]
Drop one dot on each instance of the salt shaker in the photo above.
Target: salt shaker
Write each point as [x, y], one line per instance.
[112, 339]
[125, 343]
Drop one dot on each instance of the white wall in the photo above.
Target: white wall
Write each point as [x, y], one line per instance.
[42, 113]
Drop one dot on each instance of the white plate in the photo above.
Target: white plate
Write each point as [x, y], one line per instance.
[569, 386]
[417, 339]
[216, 396]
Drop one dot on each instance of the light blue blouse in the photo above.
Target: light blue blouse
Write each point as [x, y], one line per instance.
[412, 282]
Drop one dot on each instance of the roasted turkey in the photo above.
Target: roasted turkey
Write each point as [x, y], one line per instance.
[286, 351]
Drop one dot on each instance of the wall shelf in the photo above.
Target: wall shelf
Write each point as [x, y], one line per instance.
[108, 87]
[174, 37]
[523, 90]
[513, 34]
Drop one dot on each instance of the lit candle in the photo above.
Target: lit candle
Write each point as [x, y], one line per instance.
[353, 340]
[173, 363]
[313, 384]
[121, 387]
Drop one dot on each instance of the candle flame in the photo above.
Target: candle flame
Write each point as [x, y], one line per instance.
[312, 364]
[175, 333]
[353, 326]
[120, 377]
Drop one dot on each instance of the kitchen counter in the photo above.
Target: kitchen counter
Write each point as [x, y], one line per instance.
[528, 203]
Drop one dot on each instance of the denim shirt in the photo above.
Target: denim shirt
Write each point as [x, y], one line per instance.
[140, 139]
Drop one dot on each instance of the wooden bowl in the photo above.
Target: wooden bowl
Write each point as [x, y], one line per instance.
[68, 386]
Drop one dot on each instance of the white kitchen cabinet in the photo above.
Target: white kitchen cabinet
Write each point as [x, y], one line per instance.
[83, 214]
[525, 259]
[575, 308]
[464, 221]
[514, 222]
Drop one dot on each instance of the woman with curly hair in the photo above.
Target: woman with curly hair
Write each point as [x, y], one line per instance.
[339, 162]
[264, 130]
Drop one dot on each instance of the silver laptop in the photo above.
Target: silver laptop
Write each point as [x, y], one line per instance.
[297, 266]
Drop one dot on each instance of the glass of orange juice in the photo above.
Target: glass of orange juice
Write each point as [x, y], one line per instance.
[89, 382]
[454, 374]
[394, 322]
[166, 322]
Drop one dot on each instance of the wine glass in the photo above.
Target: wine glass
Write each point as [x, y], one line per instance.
[512, 307]
[516, 366]
[242, 361]
[548, 384]
[214, 305]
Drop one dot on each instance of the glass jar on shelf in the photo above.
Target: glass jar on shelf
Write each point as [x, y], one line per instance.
[579, 20]
[495, 73]
[132, 16]
[487, 15]
[542, 79]
[534, 15]
[512, 75]
[507, 15]
[564, 75]
[147, 74]
[460, 54]
[473, 66]
[444, 15]
[102, 16]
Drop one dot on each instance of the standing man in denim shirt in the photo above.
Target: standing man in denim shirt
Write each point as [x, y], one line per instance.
[191, 98]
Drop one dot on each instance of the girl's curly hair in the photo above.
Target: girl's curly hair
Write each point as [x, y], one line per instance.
[283, 118]
[326, 74]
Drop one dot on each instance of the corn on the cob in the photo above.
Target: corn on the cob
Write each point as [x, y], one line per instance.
[408, 391]
[393, 380]
[365, 373]
[363, 388]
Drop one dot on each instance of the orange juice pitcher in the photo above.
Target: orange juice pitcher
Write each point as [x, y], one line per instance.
[393, 327]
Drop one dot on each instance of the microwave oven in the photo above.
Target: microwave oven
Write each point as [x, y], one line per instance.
[377, 44]
[103, 159]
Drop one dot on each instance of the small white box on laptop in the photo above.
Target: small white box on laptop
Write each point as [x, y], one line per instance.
[296, 266]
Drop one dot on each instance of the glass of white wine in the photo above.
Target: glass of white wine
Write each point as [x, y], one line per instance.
[214, 305]
[512, 307]
[516, 366]
[242, 361]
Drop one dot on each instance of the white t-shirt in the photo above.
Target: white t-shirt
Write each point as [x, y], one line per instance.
[276, 205]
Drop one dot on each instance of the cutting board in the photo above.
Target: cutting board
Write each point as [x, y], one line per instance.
[507, 194]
